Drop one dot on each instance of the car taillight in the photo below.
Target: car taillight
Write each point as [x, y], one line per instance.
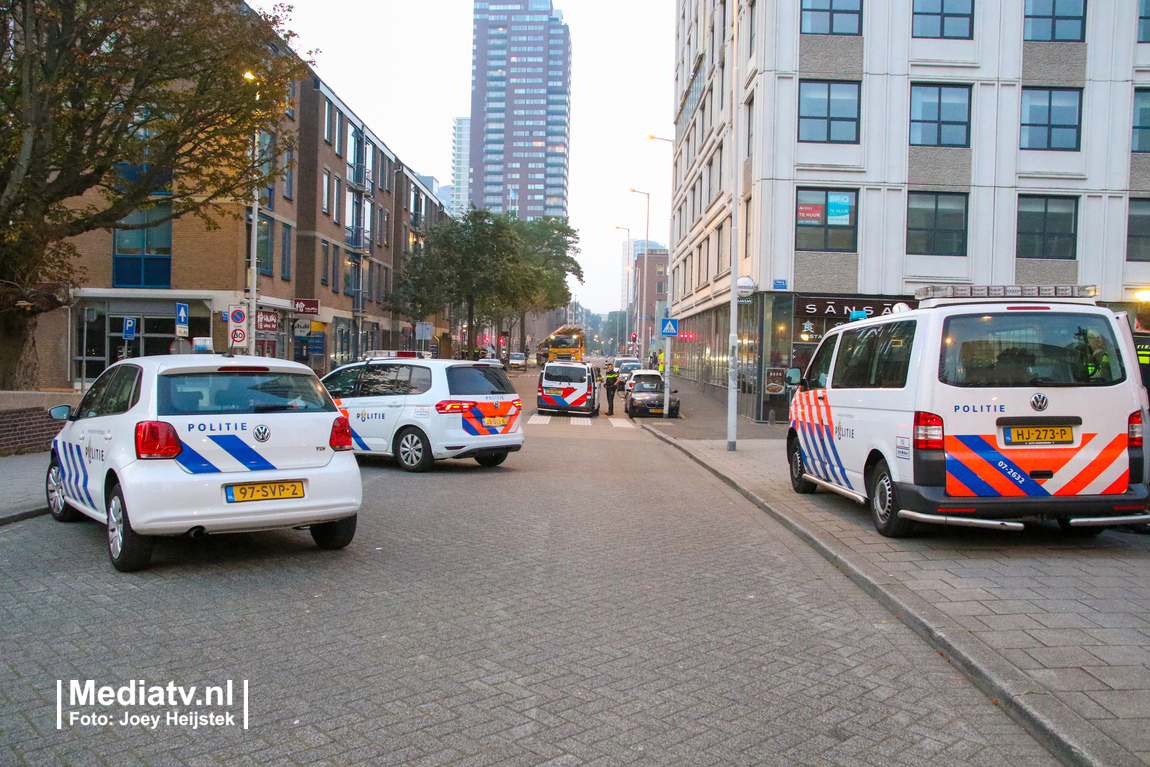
[454, 406]
[517, 404]
[157, 439]
[340, 438]
[1134, 430]
[927, 431]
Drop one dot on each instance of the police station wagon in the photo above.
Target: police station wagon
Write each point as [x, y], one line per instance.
[987, 406]
[204, 443]
[418, 410]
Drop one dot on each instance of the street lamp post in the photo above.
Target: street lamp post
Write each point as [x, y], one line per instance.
[646, 273]
[625, 292]
[253, 242]
[733, 350]
[667, 339]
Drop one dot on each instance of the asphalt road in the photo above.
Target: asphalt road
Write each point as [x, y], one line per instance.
[599, 599]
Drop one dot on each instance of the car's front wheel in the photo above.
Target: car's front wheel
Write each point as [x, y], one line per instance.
[413, 451]
[491, 459]
[334, 535]
[128, 550]
[798, 469]
[62, 511]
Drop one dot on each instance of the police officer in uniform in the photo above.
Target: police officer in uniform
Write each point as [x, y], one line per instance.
[1142, 341]
[611, 383]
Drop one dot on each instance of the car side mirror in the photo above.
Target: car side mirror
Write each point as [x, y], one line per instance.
[793, 376]
[60, 412]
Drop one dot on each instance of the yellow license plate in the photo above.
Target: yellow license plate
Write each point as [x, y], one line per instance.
[495, 420]
[263, 491]
[554, 392]
[1039, 435]
[656, 410]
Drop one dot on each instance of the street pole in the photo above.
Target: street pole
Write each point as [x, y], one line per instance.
[667, 377]
[642, 322]
[625, 293]
[733, 350]
[253, 274]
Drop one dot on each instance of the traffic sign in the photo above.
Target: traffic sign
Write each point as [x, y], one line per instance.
[237, 324]
[670, 328]
[129, 328]
[181, 320]
[301, 328]
[239, 337]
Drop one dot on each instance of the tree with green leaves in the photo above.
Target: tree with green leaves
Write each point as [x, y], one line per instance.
[108, 102]
[547, 255]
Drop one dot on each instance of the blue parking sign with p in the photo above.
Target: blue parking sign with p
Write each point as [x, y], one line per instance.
[129, 328]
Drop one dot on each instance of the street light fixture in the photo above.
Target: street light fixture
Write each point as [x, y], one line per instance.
[253, 241]
[626, 292]
[646, 273]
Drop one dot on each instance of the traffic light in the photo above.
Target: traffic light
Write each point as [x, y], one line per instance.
[634, 336]
[487, 339]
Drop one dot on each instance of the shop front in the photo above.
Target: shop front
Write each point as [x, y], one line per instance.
[815, 315]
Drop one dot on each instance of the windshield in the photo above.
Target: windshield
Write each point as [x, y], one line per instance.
[478, 379]
[563, 342]
[565, 373]
[648, 387]
[517, 356]
[226, 393]
[627, 367]
[1029, 349]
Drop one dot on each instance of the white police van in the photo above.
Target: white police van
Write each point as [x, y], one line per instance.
[988, 406]
[204, 443]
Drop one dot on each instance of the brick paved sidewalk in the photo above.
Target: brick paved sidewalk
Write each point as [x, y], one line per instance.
[22, 486]
[1056, 628]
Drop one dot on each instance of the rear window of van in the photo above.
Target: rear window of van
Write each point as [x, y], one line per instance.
[478, 379]
[565, 374]
[1015, 349]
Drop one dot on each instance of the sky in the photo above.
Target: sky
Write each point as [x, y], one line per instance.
[404, 67]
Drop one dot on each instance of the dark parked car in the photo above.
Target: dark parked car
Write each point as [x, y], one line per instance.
[647, 399]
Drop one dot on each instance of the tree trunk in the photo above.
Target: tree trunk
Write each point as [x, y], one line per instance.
[18, 361]
[523, 332]
[469, 352]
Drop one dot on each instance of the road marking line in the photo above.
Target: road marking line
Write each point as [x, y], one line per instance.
[580, 421]
[621, 423]
[539, 419]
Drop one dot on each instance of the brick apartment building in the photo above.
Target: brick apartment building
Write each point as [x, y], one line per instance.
[334, 230]
[654, 272]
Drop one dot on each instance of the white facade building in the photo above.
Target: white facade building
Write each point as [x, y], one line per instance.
[460, 165]
[884, 146]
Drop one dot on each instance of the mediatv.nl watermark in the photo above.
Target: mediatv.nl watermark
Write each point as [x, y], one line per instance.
[139, 704]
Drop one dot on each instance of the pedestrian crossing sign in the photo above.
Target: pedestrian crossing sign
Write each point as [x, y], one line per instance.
[670, 328]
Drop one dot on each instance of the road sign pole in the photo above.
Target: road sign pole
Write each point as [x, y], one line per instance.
[667, 377]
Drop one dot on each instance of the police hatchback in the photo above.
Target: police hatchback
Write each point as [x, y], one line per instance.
[988, 406]
[204, 443]
[420, 410]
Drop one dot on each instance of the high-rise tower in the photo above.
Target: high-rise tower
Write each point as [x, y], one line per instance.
[520, 108]
[460, 166]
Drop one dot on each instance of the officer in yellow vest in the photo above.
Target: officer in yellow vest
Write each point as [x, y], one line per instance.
[660, 362]
[1142, 341]
[610, 384]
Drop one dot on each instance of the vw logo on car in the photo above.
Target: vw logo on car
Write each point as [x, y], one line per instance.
[262, 433]
[1039, 402]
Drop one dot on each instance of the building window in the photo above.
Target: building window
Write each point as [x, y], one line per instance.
[952, 19]
[264, 255]
[750, 28]
[1141, 120]
[660, 270]
[1144, 21]
[1051, 118]
[936, 224]
[1047, 227]
[660, 288]
[285, 253]
[832, 17]
[327, 191]
[939, 115]
[1062, 20]
[337, 198]
[289, 173]
[336, 268]
[829, 112]
[325, 263]
[339, 132]
[751, 126]
[142, 258]
[328, 120]
[1138, 231]
[827, 219]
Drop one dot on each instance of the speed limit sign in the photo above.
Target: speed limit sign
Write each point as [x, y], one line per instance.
[239, 336]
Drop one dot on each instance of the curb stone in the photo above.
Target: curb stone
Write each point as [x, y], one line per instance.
[1069, 738]
[8, 517]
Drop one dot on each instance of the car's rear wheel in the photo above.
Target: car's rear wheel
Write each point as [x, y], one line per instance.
[128, 550]
[62, 511]
[883, 501]
[334, 535]
[491, 459]
[413, 451]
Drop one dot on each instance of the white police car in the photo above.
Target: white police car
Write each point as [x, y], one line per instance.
[418, 410]
[197, 444]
